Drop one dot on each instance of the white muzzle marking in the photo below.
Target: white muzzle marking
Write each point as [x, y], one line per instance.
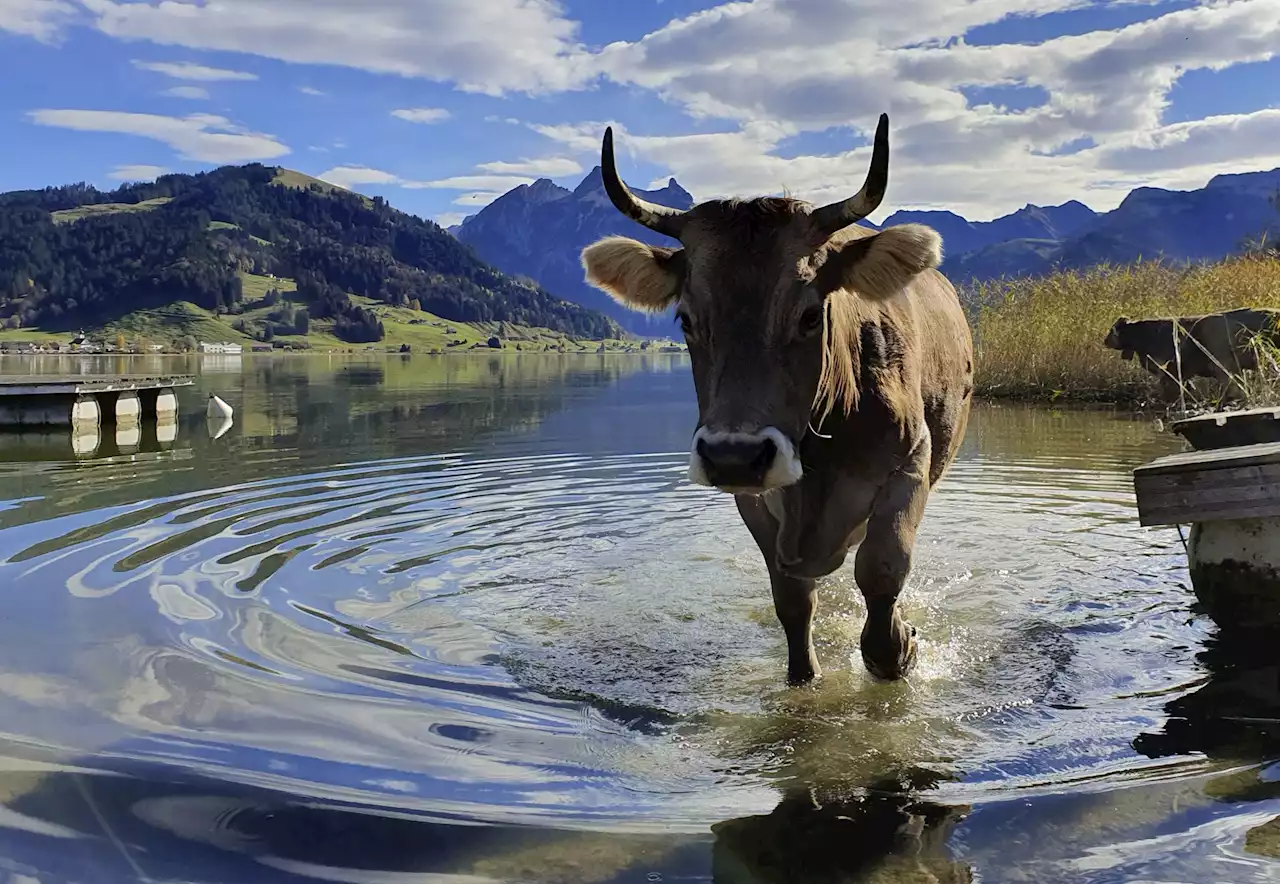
[785, 469]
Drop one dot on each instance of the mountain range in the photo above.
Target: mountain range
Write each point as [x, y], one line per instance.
[538, 230]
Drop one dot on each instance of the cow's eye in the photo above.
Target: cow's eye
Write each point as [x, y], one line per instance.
[811, 321]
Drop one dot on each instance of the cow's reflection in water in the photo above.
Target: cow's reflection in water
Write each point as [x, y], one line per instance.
[888, 834]
[153, 825]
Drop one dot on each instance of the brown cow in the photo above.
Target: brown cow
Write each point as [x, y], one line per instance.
[833, 369]
[1212, 345]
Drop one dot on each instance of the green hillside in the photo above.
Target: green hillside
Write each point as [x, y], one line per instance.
[182, 323]
[169, 258]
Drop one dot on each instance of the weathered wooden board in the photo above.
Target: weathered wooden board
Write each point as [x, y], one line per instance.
[1227, 429]
[1221, 483]
[71, 385]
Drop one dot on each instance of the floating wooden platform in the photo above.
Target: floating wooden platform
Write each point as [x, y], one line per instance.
[61, 400]
[1241, 482]
[1229, 492]
[87, 384]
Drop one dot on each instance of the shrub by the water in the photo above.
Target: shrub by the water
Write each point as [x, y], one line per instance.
[1041, 338]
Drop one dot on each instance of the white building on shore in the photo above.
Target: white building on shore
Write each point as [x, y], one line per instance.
[222, 347]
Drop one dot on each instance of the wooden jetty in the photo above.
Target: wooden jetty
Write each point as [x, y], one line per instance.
[1228, 491]
[74, 400]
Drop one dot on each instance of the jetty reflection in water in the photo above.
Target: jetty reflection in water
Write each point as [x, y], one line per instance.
[85, 441]
[463, 619]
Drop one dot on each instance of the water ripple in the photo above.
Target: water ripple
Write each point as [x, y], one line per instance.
[584, 642]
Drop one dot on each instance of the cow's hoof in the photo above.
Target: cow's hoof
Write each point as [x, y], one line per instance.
[799, 676]
[891, 657]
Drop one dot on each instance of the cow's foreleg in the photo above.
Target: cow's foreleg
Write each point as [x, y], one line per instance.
[795, 599]
[883, 563]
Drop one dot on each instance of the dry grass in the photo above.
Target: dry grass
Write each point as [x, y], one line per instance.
[1042, 338]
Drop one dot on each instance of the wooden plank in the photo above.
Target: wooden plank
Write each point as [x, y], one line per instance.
[1194, 493]
[1222, 417]
[1225, 429]
[26, 385]
[1240, 455]
[86, 378]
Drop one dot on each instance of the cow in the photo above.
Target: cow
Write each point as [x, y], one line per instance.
[1211, 345]
[833, 372]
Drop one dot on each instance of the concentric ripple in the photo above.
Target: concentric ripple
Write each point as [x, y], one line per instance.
[582, 641]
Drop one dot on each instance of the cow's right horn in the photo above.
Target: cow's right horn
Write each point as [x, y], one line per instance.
[663, 219]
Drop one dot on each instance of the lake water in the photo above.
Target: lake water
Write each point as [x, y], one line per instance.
[462, 619]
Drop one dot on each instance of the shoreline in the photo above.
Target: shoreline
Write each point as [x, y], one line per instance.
[1130, 398]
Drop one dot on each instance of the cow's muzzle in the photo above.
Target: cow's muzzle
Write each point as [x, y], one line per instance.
[743, 462]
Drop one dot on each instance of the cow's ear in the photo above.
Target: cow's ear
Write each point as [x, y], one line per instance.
[640, 276]
[881, 265]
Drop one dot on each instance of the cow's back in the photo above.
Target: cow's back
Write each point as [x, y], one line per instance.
[1220, 342]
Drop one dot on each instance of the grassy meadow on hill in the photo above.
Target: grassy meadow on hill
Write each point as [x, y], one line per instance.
[424, 332]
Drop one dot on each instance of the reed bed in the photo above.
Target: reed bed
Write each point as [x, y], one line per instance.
[1041, 338]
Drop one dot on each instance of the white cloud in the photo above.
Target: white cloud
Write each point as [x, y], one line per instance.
[34, 18]
[1232, 140]
[803, 66]
[548, 167]
[743, 162]
[489, 46]
[815, 66]
[448, 219]
[137, 173]
[350, 177]
[201, 137]
[489, 183]
[484, 189]
[309, 90]
[477, 200]
[193, 92]
[185, 70]
[422, 114]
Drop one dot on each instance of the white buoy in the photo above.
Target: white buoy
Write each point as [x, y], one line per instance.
[218, 426]
[217, 408]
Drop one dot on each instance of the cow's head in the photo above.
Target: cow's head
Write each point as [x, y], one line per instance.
[766, 293]
[1118, 338]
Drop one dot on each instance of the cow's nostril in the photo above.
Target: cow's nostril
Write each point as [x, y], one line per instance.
[765, 456]
[736, 459]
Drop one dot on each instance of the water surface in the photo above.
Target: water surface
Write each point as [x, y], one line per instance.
[463, 619]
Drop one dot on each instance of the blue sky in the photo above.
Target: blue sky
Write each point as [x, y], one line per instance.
[440, 105]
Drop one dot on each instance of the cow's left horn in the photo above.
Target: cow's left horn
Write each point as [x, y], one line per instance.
[663, 219]
[837, 216]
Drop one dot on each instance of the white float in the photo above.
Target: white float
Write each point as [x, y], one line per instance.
[128, 407]
[217, 408]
